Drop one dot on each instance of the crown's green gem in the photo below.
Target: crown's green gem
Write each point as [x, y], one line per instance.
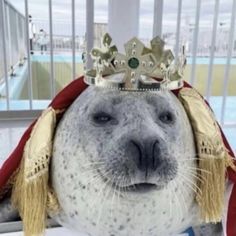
[133, 63]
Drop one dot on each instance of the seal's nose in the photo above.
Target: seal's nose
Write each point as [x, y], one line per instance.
[147, 154]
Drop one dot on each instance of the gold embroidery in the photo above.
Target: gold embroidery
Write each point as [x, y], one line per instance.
[213, 158]
[30, 192]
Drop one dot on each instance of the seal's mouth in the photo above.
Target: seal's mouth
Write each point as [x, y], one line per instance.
[141, 188]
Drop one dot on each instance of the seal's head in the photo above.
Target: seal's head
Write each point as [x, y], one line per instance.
[121, 165]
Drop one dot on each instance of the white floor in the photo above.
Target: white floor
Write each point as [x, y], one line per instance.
[49, 232]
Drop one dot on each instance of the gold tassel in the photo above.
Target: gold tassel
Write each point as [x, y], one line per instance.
[213, 158]
[53, 206]
[212, 169]
[30, 191]
[29, 199]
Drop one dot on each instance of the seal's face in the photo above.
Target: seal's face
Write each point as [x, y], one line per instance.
[132, 133]
[123, 162]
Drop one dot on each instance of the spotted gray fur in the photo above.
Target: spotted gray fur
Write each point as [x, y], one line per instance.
[94, 163]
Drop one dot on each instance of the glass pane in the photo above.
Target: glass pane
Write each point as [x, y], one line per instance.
[80, 45]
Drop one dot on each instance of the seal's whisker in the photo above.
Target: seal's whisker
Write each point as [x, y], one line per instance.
[102, 191]
[179, 184]
[92, 179]
[189, 183]
[104, 175]
[91, 168]
[95, 178]
[124, 182]
[197, 176]
[92, 172]
[193, 157]
[123, 192]
[94, 202]
[199, 169]
[118, 190]
[101, 204]
[193, 174]
[177, 199]
[190, 159]
[115, 185]
[170, 203]
[183, 203]
[95, 170]
[104, 185]
[183, 175]
[104, 199]
[94, 163]
[92, 175]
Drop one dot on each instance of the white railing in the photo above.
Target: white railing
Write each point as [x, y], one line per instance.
[73, 43]
[12, 43]
[231, 41]
[14, 37]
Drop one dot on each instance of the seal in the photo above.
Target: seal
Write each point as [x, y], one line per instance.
[124, 164]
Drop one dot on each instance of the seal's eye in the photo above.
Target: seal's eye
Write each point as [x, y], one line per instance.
[102, 118]
[166, 117]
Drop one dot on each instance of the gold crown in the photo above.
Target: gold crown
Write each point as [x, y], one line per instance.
[142, 68]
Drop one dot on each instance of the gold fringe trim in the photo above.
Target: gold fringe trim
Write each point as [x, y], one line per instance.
[213, 158]
[212, 196]
[53, 206]
[30, 200]
[30, 191]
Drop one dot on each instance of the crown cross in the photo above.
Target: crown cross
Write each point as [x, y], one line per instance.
[101, 56]
[134, 63]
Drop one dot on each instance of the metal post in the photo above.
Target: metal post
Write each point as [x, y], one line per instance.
[178, 28]
[212, 55]
[195, 43]
[9, 36]
[4, 52]
[30, 88]
[52, 76]
[73, 39]
[123, 23]
[89, 30]
[17, 33]
[228, 63]
[157, 18]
